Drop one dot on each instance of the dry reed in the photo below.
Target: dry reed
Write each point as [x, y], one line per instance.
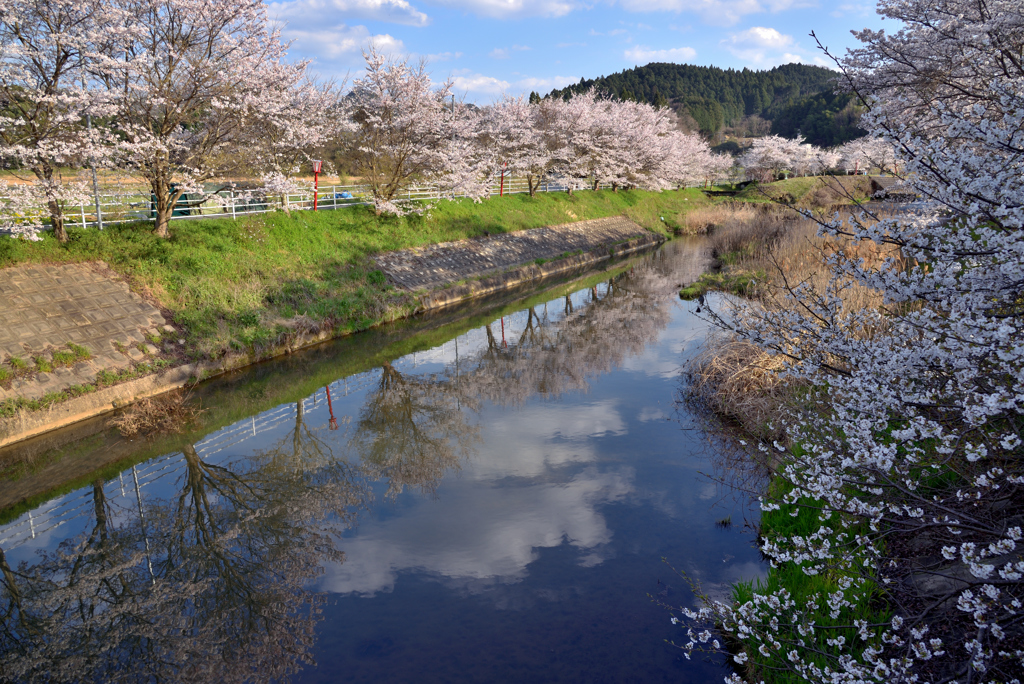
[741, 381]
[707, 219]
[734, 377]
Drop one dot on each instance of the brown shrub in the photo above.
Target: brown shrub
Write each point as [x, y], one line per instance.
[737, 379]
[166, 413]
[707, 219]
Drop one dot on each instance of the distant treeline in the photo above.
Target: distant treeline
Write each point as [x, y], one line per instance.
[793, 98]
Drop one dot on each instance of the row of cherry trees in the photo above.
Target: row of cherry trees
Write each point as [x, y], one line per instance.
[769, 156]
[407, 130]
[179, 92]
[175, 91]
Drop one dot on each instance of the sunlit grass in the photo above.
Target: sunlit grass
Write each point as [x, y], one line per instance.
[241, 284]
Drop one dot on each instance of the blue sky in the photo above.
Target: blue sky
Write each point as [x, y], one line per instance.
[494, 46]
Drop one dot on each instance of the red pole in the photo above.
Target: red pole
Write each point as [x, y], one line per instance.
[316, 188]
[333, 423]
[501, 192]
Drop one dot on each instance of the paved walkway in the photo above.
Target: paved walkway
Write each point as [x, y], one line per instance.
[448, 262]
[45, 307]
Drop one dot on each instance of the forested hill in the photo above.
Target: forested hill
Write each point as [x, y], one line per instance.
[793, 97]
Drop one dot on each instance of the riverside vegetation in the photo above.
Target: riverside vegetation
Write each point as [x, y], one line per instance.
[247, 285]
[894, 517]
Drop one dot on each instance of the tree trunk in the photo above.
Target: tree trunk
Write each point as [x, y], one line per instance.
[57, 221]
[45, 172]
[596, 183]
[529, 184]
[163, 206]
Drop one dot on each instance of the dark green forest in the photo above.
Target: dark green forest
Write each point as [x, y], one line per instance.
[793, 98]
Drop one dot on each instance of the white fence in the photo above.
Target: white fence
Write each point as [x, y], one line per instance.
[133, 206]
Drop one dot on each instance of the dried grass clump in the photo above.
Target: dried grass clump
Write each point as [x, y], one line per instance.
[741, 381]
[166, 413]
[744, 239]
[707, 219]
[800, 257]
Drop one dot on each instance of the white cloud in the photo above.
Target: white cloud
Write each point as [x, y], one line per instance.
[855, 9]
[531, 83]
[505, 9]
[762, 36]
[342, 45]
[310, 14]
[478, 83]
[716, 12]
[643, 55]
[763, 47]
[443, 57]
[505, 53]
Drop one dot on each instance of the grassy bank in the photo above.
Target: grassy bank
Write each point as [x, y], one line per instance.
[832, 633]
[810, 192]
[245, 284]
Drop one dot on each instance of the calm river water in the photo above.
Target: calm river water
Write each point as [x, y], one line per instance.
[484, 499]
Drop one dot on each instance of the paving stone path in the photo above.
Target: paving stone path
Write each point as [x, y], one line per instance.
[43, 307]
[436, 265]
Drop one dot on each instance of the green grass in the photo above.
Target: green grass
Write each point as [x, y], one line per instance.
[808, 191]
[867, 602]
[741, 283]
[80, 352]
[18, 364]
[63, 359]
[43, 365]
[235, 285]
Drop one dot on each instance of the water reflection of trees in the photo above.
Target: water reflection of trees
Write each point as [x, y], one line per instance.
[414, 428]
[560, 349]
[210, 584]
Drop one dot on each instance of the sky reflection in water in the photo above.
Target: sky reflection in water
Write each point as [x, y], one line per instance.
[503, 502]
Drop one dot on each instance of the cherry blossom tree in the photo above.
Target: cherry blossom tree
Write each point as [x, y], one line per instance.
[909, 466]
[512, 132]
[866, 153]
[569, 132]
[46, 47]
[409, 132]
[688, 159]
[195, 85]
[769, 156]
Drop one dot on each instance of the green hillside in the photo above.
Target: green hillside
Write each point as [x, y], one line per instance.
[792, 97]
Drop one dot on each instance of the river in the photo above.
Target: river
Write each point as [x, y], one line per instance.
[486, 497]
